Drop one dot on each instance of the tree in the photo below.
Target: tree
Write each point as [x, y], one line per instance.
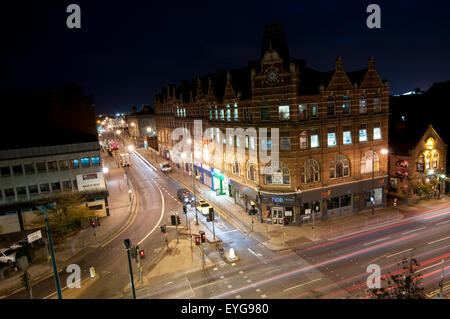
[403, 284]
[70, 211]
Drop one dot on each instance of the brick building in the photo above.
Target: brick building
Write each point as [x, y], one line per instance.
[331, 125]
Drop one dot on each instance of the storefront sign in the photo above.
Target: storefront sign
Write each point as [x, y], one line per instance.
[277, 200]
[90, 181]
[326, 193]
[288, 213]
[308, 211]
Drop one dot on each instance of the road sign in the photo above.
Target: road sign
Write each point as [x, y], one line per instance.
[34, 236]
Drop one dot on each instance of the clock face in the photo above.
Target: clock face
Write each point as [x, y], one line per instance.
[272, 76]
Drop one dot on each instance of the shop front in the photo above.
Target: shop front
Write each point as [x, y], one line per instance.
[243, 195]
[220, 182]
[279, 209]
[207, 177]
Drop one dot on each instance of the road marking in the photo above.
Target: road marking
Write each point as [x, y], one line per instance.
[436, 264]
[438, 240]
[168, 283]
[376, 241]
[306, 283]
[257, 255]
[229, 231]
[411, 231]
[445, 221]
[400, 252]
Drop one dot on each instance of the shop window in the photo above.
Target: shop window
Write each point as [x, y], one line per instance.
[283, 112]
[74, 163]
[333, 203]
[377, 131]
[17, 170]
[63, 165]
[66, 185]
[363, 133]
[314, 136]
[366, 162]
[303, 139]
[302, 112]
[347, 135]
[340, 167]
[265, 114]
[29, 169]
[314, 111]
[310, 171]
[363, 104]
[330, 107]
[251, 172]
[95, 160]
[331, 136]
[84, 162]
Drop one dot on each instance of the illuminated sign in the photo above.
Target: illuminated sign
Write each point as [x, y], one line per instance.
[277, 200]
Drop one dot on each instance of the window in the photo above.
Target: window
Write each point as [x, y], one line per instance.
[66, 185]
[346, 105]
[303, 139]
[74, 163]
[377, 103]
[340, 167]
[331, 137]
[377, 131]
[347, 135]
[228, 113]
[6, 171]
[45, 188]
[222, 115]
[366, 162]
[216, 112]
[95, 160]
[52, 166]
[435, 160]
[246, 142]
[363, 104]
[310, 172]
[210, 113]
[85, 161]
[9, 193]
[314, 137]
[285, 144]
[41, 167]
[283, 112]
[252, 143]
[251, 172]
[330, 107]
[280, 177]
[238, 144]
[266, 144]
[427, 160]
[29, 169]
[265, 114]
[21, 192]
[236, 113]
[17, 170]
[63, 165]
[235, 166]
[363, 133]
[302, 112]
[56, 187]
[313, 111]
[32, 189]
[218, 135]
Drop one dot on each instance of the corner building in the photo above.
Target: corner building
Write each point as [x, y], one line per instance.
[333, 134]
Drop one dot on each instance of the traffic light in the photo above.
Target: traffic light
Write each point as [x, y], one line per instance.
[97, 221]
[163, 228]
[202, 236]
[210, 216]
[141, 253]
[197, 240]
[173, 220]
[178, 220]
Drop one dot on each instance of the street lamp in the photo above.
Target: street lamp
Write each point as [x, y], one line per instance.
[130, 148]
[127, 245]
[384, 152]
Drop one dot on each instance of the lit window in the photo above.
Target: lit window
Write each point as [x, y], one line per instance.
[222, 115]
[238, 144]
[346, 106]
[246, 142]
[340, 167]
[230, 140]
[84, 161]
[314, 113]
[252, 143]
[210, 113]
[95, 160]
[347, 135]
[303, 139]
[363, 104]
[331, 137]
[314, 136]
[218, 135]
[216, 112]
[377, 131]
[283, 112]
[236, 114]
[363, 133]
[302, 112]
[228, 113]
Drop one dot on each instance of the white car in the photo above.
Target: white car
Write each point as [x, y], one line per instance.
[203, 207]
[165, 167]
[7, 255]
[19, 244]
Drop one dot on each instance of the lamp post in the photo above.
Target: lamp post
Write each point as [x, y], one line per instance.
[127, 245]
[193, 182]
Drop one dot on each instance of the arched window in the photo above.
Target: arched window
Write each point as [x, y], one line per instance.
[281, 176]
[366, 162]
[435, 161]
[310, 171]
[251, 172]
[235, 166]
[340, 167]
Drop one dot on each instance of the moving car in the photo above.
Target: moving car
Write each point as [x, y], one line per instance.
[185, 196]
[203, 207]
[19, 244]
[165, 167]
[7, 255]
[125, 159]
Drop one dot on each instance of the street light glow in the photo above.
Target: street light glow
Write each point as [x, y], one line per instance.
[149, 129]
[105, 170]
[118, 132]
[130, 148]
[384, 151]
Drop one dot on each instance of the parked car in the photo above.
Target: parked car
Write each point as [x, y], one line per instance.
[7, 255]
[185, 196]
[165, 167]
[203, 207]
[19, 244]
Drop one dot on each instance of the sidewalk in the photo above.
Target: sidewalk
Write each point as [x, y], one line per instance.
[72, 248]
[272, 237]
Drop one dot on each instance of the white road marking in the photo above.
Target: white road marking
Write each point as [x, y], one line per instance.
[376, 241]
[400, 252]
[168, 283]
[438, 240]
[257, 255]
[437, 264]
[228, 231]
[306, 283]
[411, 231]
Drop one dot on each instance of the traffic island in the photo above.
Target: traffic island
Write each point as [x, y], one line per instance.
[230, 256]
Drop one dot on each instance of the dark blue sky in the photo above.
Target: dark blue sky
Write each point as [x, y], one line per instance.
[127, 49]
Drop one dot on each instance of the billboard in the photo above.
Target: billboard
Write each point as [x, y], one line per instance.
[91, 181]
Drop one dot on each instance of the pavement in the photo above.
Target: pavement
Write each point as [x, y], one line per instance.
[278, 238]
[74, 247]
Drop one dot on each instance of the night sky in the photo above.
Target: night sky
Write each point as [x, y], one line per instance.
[127, 49]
